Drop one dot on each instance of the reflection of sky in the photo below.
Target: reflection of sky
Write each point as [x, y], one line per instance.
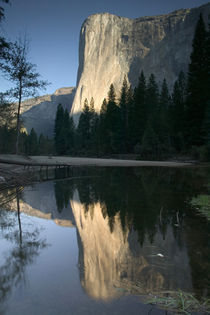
[51, 283]
[54, 27]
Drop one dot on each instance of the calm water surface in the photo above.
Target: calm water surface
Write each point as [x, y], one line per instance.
[98, 242]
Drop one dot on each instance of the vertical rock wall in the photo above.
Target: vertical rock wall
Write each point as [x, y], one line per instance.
[111, 47]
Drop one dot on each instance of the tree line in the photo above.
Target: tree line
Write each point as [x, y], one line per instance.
[148, 121]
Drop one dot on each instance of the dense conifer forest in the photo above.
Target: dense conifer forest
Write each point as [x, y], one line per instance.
[148, 121]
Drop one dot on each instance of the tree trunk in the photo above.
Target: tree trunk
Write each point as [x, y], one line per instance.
[18, 120]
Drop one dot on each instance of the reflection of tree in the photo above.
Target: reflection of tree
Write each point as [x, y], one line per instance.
[27, 246]
[146, 198]
[148, 204]
[63, 192]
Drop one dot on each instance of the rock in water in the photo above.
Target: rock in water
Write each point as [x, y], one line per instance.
[111, 47]
[39, 112]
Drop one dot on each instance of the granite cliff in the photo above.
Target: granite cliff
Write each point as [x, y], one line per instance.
[39, 112]
[111, 47]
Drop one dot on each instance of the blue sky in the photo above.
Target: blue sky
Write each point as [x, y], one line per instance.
[53, 29]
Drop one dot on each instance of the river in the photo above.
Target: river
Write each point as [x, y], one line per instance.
[102, 240]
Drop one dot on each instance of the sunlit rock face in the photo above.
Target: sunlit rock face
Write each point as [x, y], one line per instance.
[111, 47]
[114, 263]
[39, 113]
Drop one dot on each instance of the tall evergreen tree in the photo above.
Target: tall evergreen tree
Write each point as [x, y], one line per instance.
[83, 129]
[197, 87]
[113, 121]
[124, 110]
[177, 112]
[58, 131]
[103, 129]
[32, 143]
[71, 136]
[65, 132]
[152, 99]
[163, 130]
[94, 128]
[138, 114]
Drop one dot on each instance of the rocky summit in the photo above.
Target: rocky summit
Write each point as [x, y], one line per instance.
[39, 113]
[112, 47]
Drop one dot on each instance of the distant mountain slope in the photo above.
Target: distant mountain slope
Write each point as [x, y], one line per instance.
[39, 113]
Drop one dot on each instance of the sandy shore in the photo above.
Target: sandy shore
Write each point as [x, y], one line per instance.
[80, 161]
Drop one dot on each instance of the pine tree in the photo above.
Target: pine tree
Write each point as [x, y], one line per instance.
[130, 120]
[94, 128]
[152, 96]
[177, 112]
[32, 143]
[58, 132]
[197, 87]
[83, 129]
[103, 129]
[138, 114]
[150, 143]
[124, 110]
[65, 132]
[162, 123]
[42, 144]
[71, 136]
[113, 121]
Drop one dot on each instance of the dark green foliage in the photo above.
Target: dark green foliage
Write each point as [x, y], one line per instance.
[124, 115]
[45, 145]
[7, 139]
[138, 112]
[113, 122]
[177, 112]
[63, 132]
[152, 98]
[197, 88]
[103, 129]
[58, 131]
[150, 143]
[162, 123]
[32, 143]
[83, 130]
[94, 129]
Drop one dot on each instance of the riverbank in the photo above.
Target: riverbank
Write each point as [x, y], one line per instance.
[19, 169]
[84, 161]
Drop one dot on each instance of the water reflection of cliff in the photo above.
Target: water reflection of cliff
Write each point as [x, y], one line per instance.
[131, 232]
[47, 200]
[111, 262]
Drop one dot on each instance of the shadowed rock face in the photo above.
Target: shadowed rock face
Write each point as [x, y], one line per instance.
[113, 262]
[39, 113]
[112, 47]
